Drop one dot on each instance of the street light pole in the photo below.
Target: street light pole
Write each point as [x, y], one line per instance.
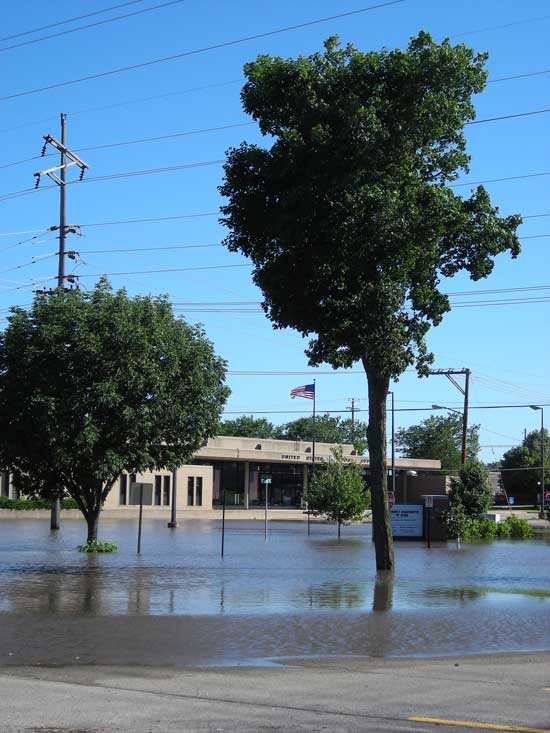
[537, 407]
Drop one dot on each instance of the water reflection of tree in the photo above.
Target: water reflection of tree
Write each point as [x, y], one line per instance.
[337, 595]
[382, 599]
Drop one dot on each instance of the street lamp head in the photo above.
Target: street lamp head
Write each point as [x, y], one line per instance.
[438, 407]
[535, 407]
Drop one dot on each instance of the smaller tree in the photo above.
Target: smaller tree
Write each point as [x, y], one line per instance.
[247, 426]
[337, 490]
[471, 493]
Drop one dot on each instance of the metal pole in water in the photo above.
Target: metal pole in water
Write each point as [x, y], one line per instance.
[223, 520]
[266, 485]
[140, 517]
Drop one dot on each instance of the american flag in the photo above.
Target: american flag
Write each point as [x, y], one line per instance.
[306, 390]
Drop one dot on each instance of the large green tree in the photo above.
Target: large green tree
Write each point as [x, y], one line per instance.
[522, 464]
[349, 216]
[96, 383]
[327, 429]
[439, 437]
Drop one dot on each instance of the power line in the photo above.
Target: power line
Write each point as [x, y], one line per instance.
[499, 290]
[500, 27]
[135, 272]
[157, 138]
[509, 301]
[155, 219]
[517, 76]
[496, 180]
[127, 102]
[178, 134]
[508, 117]
[70, 20]
[204, 49]
[201, 164]
[90, 25]
[147, 249]
[151, 219]
[115, 176]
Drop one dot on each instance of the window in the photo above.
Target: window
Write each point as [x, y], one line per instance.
[158, 490]
[198, 494]
[123, 490]
[133, 478]
[166, 490]
[190, 490]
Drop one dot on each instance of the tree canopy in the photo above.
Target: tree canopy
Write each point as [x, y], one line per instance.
[349, 216]
[247, 426]
[96, 383]
[328, 429]
[438, 437]
[527, 455]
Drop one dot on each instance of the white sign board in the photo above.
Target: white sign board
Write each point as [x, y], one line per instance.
[428, 502]
[407, 520]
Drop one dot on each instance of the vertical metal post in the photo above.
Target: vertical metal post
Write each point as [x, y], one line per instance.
[542, 460]
[223, 520]
[393, 444]
[173, 523]
[140, 517]
[314, 429]
[465, 416]
[266, 489]
[429, 528]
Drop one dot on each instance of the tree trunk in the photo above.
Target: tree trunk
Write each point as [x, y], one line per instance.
[93, 522]
[381, 525]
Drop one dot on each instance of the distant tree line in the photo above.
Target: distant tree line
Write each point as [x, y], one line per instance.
[328, 429]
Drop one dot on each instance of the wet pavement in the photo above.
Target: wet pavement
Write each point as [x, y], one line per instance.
[180, 603]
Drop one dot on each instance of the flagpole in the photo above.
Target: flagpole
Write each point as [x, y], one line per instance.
[313, 432]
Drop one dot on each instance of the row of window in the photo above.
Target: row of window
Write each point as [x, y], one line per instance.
[161, 490]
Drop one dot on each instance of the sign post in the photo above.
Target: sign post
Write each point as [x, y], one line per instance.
[428, 503]
[140, 518]
[223, 520]
[266, 480]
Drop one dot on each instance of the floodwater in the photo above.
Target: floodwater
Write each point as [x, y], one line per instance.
[180, 603]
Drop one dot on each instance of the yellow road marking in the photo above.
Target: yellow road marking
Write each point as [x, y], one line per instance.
[484, 726]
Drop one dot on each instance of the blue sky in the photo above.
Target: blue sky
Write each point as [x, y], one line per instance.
[505, 346]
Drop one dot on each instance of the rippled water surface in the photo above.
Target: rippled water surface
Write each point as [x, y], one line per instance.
[181, 603]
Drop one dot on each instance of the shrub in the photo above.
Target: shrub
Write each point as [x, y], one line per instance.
[458, 525]
[515, 528]
[27, 505]
[98, 546]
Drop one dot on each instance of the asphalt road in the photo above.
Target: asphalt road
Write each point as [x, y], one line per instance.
[499, 692]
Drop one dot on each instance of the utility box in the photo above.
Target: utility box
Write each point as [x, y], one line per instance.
[435, 506]
[135, 493]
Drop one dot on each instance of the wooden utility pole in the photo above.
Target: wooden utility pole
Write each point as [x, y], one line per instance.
[450, 373]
